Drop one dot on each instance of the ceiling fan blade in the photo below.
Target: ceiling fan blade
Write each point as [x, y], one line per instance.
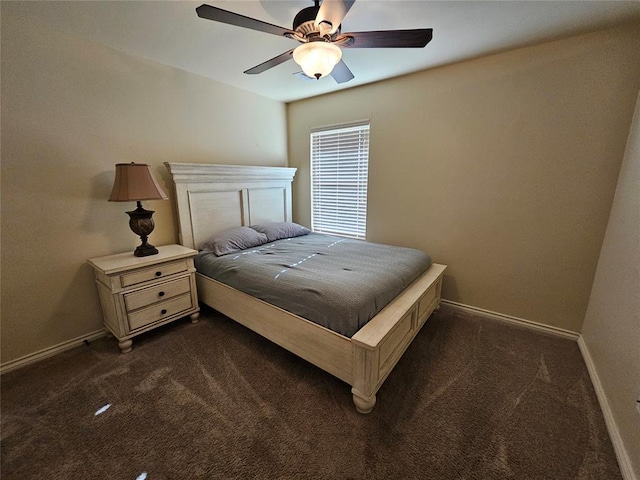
[283, 57]
[341, 73]
[333, 12]
[416, 38]
[219, 15]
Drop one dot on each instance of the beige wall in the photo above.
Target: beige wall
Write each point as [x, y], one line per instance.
[70, 111]
[503, 168]
[611, 329]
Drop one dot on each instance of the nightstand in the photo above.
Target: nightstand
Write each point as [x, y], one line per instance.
[138, 294]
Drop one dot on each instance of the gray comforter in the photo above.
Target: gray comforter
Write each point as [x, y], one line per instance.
[336, 282]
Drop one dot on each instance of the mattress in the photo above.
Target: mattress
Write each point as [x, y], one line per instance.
[336, 282]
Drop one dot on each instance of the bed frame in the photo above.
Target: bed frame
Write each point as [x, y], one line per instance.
[213, 198]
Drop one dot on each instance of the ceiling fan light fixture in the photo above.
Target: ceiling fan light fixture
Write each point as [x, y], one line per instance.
[317, 59]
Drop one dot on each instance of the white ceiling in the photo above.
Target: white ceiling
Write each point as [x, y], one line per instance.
[170, 32]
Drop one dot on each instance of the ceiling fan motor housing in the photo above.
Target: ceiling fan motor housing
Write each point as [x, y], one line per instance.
[304, 23]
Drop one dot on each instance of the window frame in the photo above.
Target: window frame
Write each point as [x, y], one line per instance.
[345, 151]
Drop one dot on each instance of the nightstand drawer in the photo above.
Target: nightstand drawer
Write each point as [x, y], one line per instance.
[159, 311]
[148, 296]
[159, 271]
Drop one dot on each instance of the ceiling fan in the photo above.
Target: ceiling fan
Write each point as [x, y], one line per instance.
[317, 28]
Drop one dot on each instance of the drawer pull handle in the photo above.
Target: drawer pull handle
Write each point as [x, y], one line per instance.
[163, 311]
[158, 274]
[161, 294]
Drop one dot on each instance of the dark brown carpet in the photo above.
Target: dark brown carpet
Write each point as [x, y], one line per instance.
[471, 399]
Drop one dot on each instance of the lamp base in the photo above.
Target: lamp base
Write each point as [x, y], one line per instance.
[142, 224]
[145, 250]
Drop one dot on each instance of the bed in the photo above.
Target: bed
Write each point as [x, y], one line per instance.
[215, 198]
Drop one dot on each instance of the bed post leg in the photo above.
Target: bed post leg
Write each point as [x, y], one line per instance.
[365, 377]
[364, 404]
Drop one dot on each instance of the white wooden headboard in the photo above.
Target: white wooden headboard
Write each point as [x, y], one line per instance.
[213, 198]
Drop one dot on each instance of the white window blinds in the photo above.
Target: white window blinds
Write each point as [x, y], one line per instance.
[339, 166]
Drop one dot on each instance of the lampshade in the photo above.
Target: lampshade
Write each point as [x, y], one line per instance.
[317, 59]
[134, 182]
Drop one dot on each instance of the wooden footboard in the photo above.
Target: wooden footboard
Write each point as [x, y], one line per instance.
[379, 345]
[363, 361]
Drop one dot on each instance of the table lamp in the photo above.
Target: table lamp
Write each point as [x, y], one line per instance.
[134, 183]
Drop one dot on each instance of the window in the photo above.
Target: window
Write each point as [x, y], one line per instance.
[339, 165]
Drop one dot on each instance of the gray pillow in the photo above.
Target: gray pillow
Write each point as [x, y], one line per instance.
[278, 230]
[234, 240]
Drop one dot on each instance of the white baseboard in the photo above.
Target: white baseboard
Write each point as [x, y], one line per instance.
[510, 319]
[624, 462]
[50, 351]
